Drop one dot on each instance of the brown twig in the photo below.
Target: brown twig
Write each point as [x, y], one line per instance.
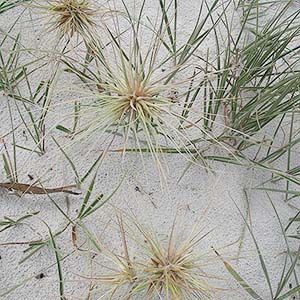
[31, 189]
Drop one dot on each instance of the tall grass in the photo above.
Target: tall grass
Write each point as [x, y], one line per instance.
[257, 79]
[255, 90]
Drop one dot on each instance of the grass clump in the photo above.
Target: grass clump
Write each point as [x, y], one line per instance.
[70, 17]
[135, 86]
[172, 271]
[132, 103]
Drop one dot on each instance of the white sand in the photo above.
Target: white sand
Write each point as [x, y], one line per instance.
[142, 194]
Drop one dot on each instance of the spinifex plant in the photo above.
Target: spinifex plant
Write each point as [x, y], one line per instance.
[138, 90]
[175, 270]
[69, 17]
[158, 272]
[131, 101]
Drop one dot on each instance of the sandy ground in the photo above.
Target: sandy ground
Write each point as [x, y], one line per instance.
[199, 193]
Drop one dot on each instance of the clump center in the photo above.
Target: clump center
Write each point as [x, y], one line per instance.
[136, 95]
[135, 99]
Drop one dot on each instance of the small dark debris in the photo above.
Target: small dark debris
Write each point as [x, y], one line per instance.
[40, 276]
[163, 70]
[30, 177]
[137, 189]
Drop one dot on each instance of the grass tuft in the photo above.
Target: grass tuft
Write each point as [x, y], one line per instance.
[70, 17]
[171, 272]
